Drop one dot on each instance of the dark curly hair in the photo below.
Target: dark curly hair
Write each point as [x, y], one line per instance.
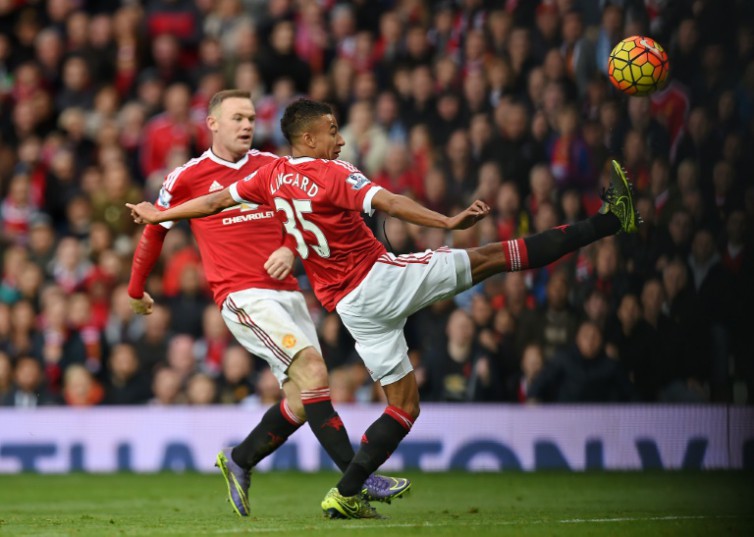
[299, 114]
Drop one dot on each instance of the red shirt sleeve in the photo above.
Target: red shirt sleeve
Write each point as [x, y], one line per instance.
[250, 189]
[146, 255]
[348, 188]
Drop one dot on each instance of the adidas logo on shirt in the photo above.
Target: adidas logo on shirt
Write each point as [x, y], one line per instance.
[215, 186]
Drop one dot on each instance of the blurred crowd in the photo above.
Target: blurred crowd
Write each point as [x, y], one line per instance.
[446, 101]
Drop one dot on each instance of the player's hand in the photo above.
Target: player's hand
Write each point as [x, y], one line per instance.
[280, 263]
[144, 213]
[469, 216]
[143, 305]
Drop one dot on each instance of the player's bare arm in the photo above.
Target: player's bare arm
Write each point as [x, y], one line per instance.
[147, 213]
[406, 209]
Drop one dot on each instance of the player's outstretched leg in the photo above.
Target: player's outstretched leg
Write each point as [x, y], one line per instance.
[618, 213]
[335, 505]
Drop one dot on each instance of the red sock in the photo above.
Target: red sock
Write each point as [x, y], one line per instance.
[516, 254]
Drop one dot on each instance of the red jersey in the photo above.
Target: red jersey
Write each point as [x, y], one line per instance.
[235, 243]
[321, 201]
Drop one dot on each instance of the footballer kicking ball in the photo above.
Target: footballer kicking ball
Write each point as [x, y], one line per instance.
[638, 65]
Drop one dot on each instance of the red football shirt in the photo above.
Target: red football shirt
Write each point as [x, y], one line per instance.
[320, 201]
[235, 243]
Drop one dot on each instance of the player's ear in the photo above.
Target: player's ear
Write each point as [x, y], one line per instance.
[308, 139]
[211, 122]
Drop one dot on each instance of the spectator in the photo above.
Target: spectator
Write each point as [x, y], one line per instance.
[187, 307]
[236, 378]
[552, 326]
[201, 390]
[172, 130]
[80, 388]
[629, 340]
[152, 346]
[166, 387]
[180, 357]
[519, 384]
[126, 384]
[280, 58]
[397, 174]
[28, 389]
[123, 326]
[214, 341]
[6, 374]
[366, 142]
[582, 374]
[451, 366]
[685, 311]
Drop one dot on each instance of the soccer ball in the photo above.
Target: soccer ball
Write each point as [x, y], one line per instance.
[638, 65]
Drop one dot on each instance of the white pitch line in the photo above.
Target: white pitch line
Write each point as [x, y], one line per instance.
[349, 526]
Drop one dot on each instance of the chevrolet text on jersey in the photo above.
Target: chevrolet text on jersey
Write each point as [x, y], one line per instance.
[294, 179]
[247, 217]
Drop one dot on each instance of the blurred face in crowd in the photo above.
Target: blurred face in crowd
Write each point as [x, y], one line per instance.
[123, 362]
[236, 364]
[639, 112]
[177, 102]
[181, 354]
[589, 340]
[213, 324]
[735, 227]
[606, 264]
[557, 291]
[166, 386]
[629, 311]
[674, 278]
[531, 361]
[460, 328]
[75, 74]
[78, 386]
[703, 246]
[232, 126]
[652, 297]
[546, 217]
[680, 227]
[201, 390]
[28, 374]
[6, 372]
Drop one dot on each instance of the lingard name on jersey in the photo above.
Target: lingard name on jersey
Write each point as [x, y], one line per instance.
[295, 180]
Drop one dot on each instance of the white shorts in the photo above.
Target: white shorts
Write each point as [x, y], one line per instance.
[375, 311]
[274, 325]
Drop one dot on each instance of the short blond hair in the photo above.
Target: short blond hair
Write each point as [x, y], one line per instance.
[218, 98]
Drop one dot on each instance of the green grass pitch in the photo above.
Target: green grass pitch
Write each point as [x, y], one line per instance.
[441, 504]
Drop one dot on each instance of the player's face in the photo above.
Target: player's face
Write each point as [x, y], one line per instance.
[327, 138]
[232, 128]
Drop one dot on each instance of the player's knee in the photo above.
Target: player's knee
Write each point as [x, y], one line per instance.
[308, 370]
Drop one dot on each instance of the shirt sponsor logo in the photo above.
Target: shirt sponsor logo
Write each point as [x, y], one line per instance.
[163, 199]
[247, 217]
[357, 181]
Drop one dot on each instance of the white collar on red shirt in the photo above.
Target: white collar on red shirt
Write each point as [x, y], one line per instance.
[235, 165]
[299, 160]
